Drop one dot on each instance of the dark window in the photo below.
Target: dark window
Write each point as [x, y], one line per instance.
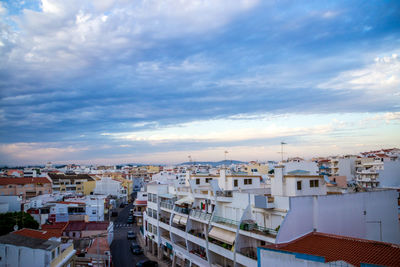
[245, 181]
[197, 181]
[250, 181]
[235, 183]
[298, 185]
[314, 183]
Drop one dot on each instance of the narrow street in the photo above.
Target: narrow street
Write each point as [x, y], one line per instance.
[120, 247]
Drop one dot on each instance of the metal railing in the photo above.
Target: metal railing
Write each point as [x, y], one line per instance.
[222, 220]
[166, 205]
[200, 215]
[253, 227]
[197, 233]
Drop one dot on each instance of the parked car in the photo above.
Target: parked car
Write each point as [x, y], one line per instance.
[131, 235]
[136, 249]
[146, 263]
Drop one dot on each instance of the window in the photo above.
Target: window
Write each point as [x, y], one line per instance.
[53, 254]
[197, 181]
[298, 185]
[58, 250]
[93, 212]
[235, 183]
[248, 181]
[208, 180]
[314, 183]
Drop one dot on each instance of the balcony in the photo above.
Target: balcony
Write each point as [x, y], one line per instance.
[166, 236]
[200, 215]
[182, 210]
[225, 221]
[251, 226]
[166, 205]
[224, 196]
[197, 233]
[137, 213]
[182, 244]
[249, 252]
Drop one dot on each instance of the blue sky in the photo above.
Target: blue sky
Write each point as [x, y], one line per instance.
[155, 81]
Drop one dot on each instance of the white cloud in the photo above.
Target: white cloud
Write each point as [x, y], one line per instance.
[74, 34]
[38, 151]
[383, 76]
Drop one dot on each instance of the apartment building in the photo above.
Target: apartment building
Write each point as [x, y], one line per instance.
[221, 220]
[73, 183]
[25, 187]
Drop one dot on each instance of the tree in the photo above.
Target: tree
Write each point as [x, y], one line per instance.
[22, 219]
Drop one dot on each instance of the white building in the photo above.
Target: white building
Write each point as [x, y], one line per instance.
[107, 186]
[30, 251]
[220, 220]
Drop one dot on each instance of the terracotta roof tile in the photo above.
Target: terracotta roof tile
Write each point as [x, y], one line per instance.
[342, 248]
[7, 181]
[38, 234]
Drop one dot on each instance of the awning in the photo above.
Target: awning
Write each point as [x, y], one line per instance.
[183, 220]
[186, 200]
[222, 235]
[176, 219]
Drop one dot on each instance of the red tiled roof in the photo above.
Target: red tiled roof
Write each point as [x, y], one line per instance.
[38, 234]
[342, 248]
[55, 225]
[88, 226]
[7, 181]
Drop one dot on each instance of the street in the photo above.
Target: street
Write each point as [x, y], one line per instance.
[120, 247]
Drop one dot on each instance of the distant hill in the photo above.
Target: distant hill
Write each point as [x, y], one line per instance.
[214, 163]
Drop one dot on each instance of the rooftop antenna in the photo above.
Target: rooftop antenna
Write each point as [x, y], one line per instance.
[282, 143]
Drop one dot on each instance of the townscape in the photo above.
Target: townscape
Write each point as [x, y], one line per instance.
[339, 210]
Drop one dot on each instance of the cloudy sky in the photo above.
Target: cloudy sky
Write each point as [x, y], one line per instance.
[156, 81]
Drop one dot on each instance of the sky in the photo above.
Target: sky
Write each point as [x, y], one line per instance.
[149, 81]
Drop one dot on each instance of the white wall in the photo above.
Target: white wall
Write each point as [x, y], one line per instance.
[310, 166]
[390, 175]
[347, 168]
[354, 214]
[14, 202]
[272, 258]
[22, 256]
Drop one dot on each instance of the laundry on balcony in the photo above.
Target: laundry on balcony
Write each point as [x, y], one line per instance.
[186, 200]
[222, 235]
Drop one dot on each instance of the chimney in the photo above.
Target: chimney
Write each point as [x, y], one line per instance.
[277, 181]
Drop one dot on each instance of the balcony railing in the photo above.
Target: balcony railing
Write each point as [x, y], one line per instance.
[249, 252]
[224, 194]
[255, 228]
[197, 233]
[200, 215]
[222, 220]
[167, 205]
[182, 210]
[166, 235]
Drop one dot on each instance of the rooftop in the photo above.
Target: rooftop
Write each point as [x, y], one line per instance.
[28, 241]
[36, 180]
[57, 177]
[38, 234]
[342, 248]
[86, 226]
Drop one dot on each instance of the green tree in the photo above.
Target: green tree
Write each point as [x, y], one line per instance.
[22, 219]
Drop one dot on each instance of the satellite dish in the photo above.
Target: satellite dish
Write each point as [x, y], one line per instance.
[15, 227]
